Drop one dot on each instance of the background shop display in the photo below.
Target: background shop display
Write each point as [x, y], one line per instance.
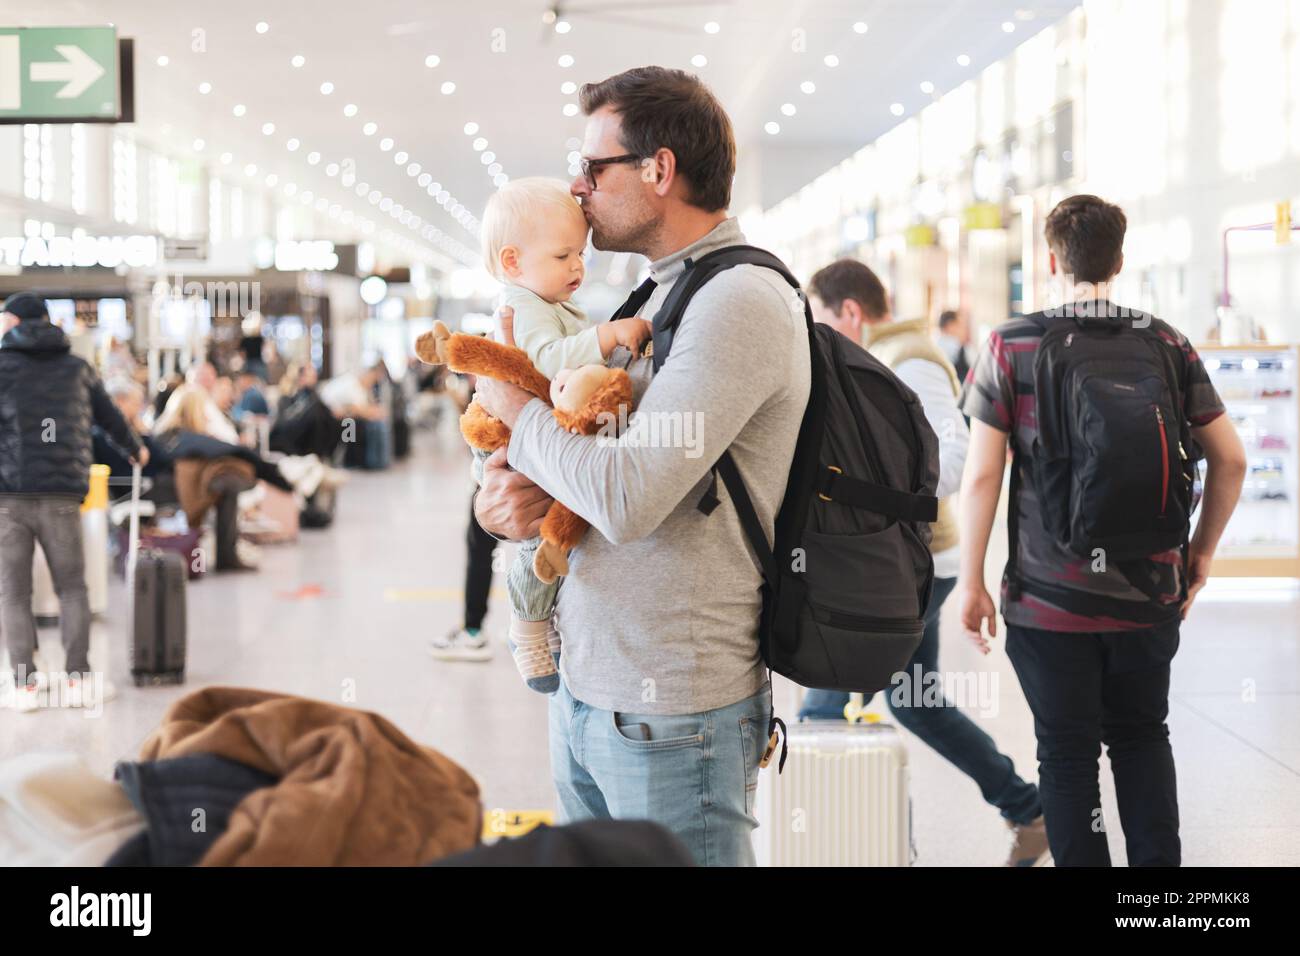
[1258, 385]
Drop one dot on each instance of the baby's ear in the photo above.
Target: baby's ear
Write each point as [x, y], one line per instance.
[510, 261]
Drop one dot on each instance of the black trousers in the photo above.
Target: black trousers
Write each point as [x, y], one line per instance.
[1086, 690]
[479, 546]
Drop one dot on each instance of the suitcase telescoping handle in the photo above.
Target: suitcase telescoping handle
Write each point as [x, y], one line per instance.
[133, 547]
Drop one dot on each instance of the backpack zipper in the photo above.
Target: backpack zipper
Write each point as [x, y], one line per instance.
[1164, 460]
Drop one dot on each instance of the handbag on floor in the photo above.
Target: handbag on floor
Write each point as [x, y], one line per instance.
[156, 589]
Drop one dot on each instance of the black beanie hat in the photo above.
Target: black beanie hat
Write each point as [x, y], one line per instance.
[26, 305]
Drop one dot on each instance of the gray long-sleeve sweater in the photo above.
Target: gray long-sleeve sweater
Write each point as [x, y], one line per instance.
[659, 613]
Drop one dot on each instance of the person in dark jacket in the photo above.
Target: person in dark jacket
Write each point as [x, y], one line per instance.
[49, 399]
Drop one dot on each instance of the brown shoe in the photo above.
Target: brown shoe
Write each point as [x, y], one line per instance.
[1030, 845]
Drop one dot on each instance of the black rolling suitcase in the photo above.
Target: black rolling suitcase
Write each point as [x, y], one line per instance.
[156, 589]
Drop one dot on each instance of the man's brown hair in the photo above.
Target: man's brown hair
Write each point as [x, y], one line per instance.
[849, 279]
[663, 108]
[1087, 235]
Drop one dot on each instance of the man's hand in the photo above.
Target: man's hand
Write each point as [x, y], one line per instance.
[501, 399]
[508, 505]
[1198, 572]
[977, 608]
[141, 457]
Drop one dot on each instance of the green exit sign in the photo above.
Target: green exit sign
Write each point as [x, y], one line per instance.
[59, 74]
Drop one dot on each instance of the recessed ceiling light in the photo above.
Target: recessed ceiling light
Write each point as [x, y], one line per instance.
[712, 27]
[298, 60]
[205, 88]
[400, 158]
[250, 170]
[424, 179]
[444, 196]
[479, 144]
[375, 196]
[332, 170]
[272, 179]
[471, 128]
[563, 26]
[432, 60]
[927, 87]
[198, 145]
[262, 27]
[788, 109]
[239, 109]
[386, 144]
[413, 169]
[292, 145]
[573, 142]
[896, 109]
[568, 87]
[268, 129]
[448, 88]
[313, 158]
[326, 88]
[808, 86]
[369, 129]
[500, 179]
[494, 169]
[574, 158]
[163, 61]
[565, 61]
[226, 159]
[772, 127]
[831, 60]
[699, 60]
[290, 189]
[1008, 27]
[963, 60]
[860, 27]
[570, 109]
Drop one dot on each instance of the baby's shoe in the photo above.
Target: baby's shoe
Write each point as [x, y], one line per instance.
[530, 645]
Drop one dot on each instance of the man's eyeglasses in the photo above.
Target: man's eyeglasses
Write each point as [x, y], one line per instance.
[591, 166]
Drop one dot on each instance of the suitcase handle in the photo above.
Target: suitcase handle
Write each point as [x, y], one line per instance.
[133, 547]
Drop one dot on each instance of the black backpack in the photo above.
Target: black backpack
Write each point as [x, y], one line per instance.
[1114, 462]
[846, 586]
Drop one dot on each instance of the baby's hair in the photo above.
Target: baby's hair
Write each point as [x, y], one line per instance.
[517, 202]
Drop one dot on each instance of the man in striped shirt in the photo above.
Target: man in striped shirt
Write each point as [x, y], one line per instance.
[1090, 641]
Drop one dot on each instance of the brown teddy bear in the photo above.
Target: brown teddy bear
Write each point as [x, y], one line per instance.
[581, 402]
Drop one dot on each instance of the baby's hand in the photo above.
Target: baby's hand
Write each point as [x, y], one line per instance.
[631, 333]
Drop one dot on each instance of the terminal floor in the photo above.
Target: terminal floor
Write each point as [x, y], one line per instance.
[345, 616]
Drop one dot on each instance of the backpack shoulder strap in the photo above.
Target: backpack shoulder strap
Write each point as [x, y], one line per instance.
[699, 271]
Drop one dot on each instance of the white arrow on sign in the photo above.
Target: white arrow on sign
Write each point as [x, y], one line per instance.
[77, 71]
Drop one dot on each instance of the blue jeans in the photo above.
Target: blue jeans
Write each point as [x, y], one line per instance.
[946, 730]
[695, 774]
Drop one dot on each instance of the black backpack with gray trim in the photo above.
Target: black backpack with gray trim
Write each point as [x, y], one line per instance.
[845, 586]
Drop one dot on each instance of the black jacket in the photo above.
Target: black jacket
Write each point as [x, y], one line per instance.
[48, 400]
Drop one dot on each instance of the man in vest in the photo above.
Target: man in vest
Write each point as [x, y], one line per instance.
[847, 296]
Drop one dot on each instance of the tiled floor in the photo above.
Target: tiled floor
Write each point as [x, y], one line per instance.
[390, 573]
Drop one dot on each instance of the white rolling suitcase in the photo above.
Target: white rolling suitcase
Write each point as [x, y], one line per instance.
[842, 799]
